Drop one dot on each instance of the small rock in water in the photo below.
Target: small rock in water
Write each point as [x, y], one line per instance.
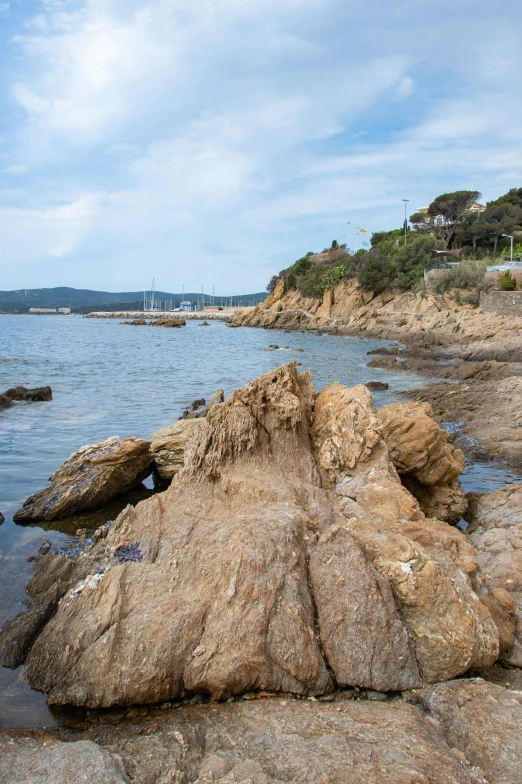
[273, 347]
[5, 402]
[204, 324]
[377, 385]
[2, 518]
[29, 395]
[198, 403]
[44, 547]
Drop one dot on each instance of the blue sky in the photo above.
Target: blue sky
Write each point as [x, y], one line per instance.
[213, 142]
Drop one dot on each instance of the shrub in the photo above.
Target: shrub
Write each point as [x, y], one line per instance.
[466, 275]
[506, 282]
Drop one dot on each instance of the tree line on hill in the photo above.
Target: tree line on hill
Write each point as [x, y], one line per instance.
[398, 258]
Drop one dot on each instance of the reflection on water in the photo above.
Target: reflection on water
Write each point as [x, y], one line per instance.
[108, 380]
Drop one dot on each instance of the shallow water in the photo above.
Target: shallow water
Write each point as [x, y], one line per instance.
[110, 379]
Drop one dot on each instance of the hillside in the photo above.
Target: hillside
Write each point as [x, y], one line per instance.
[82, 300]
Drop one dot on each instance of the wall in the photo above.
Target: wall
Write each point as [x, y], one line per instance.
[504, 303]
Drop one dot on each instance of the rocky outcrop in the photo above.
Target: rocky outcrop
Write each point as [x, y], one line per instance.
[496, 533]
[198, 412]
[484, 722]
[45, 760]
[286, 549]
[29, 395]
[428, 464]
[90, 477]
[169, 321]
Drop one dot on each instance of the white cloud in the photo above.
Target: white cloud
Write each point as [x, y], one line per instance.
[228, 134]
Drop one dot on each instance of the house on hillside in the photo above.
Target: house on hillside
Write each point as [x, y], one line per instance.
[438, 220]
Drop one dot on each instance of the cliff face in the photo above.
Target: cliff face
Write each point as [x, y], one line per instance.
[413, 318]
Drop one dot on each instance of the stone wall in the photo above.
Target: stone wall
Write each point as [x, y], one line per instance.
[504, 303]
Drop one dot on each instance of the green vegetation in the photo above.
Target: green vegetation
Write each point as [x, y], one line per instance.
[398, 261]
[506, 282]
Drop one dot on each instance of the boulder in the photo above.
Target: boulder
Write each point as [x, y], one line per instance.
[424, 457]
[46, 760]
[5, 402]
[496, 533]
[285, 554]
[168, 446]
[29, 395]
[484, 722]
[90, 477]
[376, 385]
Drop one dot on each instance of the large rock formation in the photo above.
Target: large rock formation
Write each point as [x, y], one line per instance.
[90, 477]
[285, 550]
[496, 533]
[168, 446]
[429, 466]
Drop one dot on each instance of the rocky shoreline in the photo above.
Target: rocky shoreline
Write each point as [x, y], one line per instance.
[297, 605]
[474, 359]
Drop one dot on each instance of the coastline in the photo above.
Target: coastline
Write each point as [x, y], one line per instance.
[474, 359]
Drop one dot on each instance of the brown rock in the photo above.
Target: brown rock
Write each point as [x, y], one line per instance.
[90, 477]
[168, 446]
[5, 402]
[210, 586]
[29, 395]
[444, 501]
[484, 721]
[496, 525]
[418, 445]
[45, 760]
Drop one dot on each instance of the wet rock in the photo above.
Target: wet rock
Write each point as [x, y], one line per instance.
[89, 478]
[36, 394]
[217, 397]
[377, 385]
[234, 570]
[204, 324]
[445, 501]
[5, 402]
[2, 518]
[484, 722]
[45, 760]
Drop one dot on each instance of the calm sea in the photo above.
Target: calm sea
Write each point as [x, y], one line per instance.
[111, 379]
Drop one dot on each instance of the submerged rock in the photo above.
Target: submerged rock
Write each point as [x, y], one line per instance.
[29, 395]
[90, 477]
[285, 554]
[5, 402]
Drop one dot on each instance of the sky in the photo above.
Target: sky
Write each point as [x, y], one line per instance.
[213, 142]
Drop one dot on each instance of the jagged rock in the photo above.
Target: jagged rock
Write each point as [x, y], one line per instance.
[90, 477]
[5, 402]
[429, 465]
[45, 760]
[484, 722]
[418, 445]
[212, 586]
[496, 533]
[217, 397]
[168, 446]
[36, 394]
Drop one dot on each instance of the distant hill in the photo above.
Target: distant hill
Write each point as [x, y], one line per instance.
[85, 300]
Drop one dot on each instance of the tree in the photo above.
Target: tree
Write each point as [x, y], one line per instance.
[335, 245]
[272, 284]
[452, 208]
[496, 220]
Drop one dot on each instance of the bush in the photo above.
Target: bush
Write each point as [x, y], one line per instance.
[506, 282]
[330, 278]
[467, 275]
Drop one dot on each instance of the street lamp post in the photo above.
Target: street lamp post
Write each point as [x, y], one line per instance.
[511, 238]
[405, 220]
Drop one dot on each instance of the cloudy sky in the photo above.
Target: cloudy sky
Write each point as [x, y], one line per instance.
[213, 142]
